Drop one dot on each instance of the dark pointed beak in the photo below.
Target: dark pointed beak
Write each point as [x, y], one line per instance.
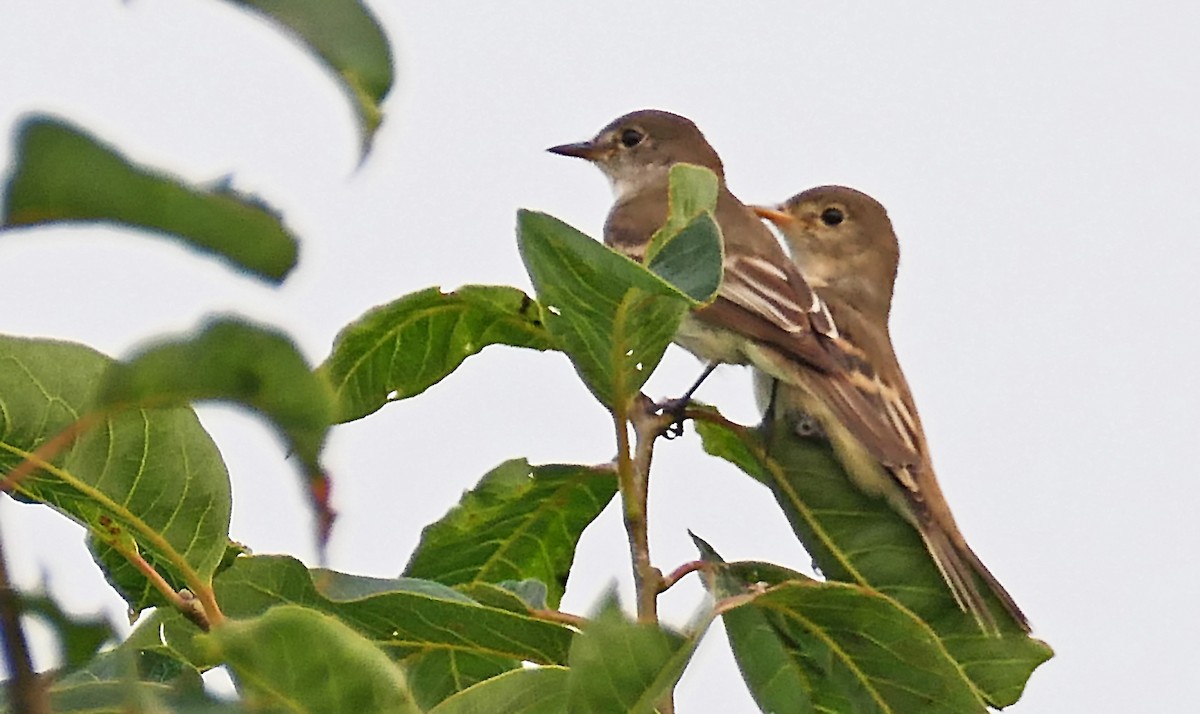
[773, 215]
[582, 150]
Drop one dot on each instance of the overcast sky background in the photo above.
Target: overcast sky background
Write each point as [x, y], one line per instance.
[1039, 161]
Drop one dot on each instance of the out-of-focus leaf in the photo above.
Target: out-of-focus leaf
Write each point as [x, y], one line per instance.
[519, 522]
[399, 350]
[298, 659]
[541, 690]
[79, 638]
[144, 479]
[858, 539]
[255, 367]
[617, 665]
[63, 174]
[346, 37]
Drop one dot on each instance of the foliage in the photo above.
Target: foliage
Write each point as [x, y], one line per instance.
[472, 625]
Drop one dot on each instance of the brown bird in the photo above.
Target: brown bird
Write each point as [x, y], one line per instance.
[843, 243]
[765, 313]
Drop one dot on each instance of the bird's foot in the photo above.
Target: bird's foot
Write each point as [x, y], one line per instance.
[674, 408]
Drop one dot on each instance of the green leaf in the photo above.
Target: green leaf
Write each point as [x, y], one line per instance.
[399, 350]
[541, 690]
[691, 261]
[79, 638]
[255, 367]
[881, 656]
[63, 174]
[147, 479]
[621, 666]
[519, 522]
[613, 317]
[437, 675]
[407, 618]
[858, 539]
[346, 37]
[302, 660]
[139, 675]
[691, 192]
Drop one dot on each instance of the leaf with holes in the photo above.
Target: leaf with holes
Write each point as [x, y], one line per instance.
[399, 350]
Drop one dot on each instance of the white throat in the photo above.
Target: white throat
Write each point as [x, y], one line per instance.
[629, 181]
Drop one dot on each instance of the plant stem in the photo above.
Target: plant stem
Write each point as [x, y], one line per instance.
[633, 484]
[26, 691]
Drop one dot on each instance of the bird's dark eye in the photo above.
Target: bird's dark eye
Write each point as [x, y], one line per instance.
[631, 138]
[832, 216]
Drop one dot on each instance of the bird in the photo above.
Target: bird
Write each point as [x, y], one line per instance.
[843, 243]
[763, 305]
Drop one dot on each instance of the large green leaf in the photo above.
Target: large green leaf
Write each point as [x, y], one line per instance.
[613, 317]
[345, 36]
[255, 367]
[540, 690]
[520, 522]
[405, 617]
[63, 174]
[399, 350]
[806, 646]
[617, 665]
[149, 480]
[858, 539]
[300, 660]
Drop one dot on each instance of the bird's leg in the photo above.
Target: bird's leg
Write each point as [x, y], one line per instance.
[675, 407]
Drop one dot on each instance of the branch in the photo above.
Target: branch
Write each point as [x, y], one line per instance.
[564, 618]
[632, 474]
[26, 691]
[680, 573]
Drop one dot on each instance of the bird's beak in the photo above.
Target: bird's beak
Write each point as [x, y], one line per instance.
[582, 150]
[774, 215]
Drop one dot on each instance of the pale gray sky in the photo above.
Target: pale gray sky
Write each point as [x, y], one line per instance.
[1038, 161]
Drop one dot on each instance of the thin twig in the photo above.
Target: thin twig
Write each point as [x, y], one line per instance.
[26, 691]
[559, 616]
[184, 601]
[680, 573]
[44, 454]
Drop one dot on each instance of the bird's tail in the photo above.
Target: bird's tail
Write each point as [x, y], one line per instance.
[959, 567]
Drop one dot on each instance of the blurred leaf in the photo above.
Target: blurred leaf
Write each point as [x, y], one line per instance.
[274, 658]
[150, 479]
[413, 617]
[542, 690]
[347, 38]
[519, 522]
[79, 638]
[64, 174]
[139, 675]
[613, 317]
[858, 539]
[256, 367]
[437, 675]
[617, 665]
[399, 350]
